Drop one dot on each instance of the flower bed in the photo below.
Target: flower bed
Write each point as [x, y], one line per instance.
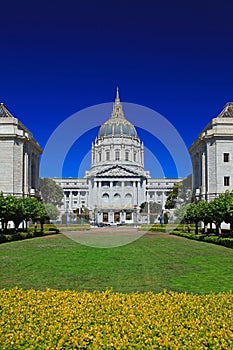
[106, 320]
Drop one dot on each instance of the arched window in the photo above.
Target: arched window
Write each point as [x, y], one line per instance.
[128, 200]
[117, 199]
[105, 197]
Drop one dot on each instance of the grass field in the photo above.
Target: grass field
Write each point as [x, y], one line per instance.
[152, 263]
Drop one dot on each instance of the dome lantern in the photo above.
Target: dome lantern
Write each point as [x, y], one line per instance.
[117, 125]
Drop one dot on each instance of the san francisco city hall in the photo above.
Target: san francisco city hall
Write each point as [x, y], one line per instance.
[117, 183]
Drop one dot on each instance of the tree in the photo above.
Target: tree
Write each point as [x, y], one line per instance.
[217, 209]
[11, 209]
[16, 208]
[52, 211]
[153, 210]
[193, 215]
[204, 213]
[228, 215]
[3, 211]
[180, 214]
[51, 192]
[31, 207]
[42, 215]
[172, 197]
[180, 193]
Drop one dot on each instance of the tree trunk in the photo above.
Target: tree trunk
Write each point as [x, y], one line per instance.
[231, 228]
[41, 226]
[205, 227]
[218, 228]
[196, 228]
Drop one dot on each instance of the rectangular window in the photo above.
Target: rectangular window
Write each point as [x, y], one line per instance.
[99, 156]
[226, 180]
[126, 155]
[226, 157]
[135, 156]
[128, 216]
[117, 155]
[107, 155]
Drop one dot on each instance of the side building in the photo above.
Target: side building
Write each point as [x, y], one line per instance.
[19, 157]
[212, 157]
[117, 183]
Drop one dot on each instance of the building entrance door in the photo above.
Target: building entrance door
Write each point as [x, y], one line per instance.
[105, 217]
[117, 217]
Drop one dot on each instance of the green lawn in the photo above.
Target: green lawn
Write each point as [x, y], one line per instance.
[152, 263]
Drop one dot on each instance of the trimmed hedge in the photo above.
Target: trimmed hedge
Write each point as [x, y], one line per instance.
[18, 236]
[226, 242]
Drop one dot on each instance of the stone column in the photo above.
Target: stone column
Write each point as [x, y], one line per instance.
[94, 195]
[111, 193]
[142, 154]
[203, 173]
[25, 174]
[134, 193]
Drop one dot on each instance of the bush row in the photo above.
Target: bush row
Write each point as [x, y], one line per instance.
[226, 242]
[20, 235]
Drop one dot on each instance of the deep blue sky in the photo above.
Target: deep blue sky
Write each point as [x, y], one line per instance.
[58, 57]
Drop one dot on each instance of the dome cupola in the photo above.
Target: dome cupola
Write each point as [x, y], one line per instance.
[117, 125]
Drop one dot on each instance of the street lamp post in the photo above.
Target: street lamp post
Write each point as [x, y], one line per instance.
[95, 216]
[136, 217]
[66, 214]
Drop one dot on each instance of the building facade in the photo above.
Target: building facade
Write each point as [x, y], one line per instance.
[19, 157]
[212, 157]
[117, 183]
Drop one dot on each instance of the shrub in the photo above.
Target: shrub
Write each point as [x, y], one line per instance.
[226, 242]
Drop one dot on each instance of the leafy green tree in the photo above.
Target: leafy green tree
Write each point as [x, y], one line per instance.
[11, 209]
[51, 192]
[193, 215]
[15, 205]
[217, 209]
[3, 211]
[52, 211]
[172, 197]
[31, 207]
[181, 217]
[205, 214]
[154, 210]
[181, 193]
[42, 215]
[228, 215]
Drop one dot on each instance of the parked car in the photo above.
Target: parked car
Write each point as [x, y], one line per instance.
[114, 223]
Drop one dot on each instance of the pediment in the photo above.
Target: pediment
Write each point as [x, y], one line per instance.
[117, 171]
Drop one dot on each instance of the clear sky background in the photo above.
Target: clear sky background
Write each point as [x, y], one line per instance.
[58, 57]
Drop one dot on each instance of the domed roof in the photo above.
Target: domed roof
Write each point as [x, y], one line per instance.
[117, 125]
